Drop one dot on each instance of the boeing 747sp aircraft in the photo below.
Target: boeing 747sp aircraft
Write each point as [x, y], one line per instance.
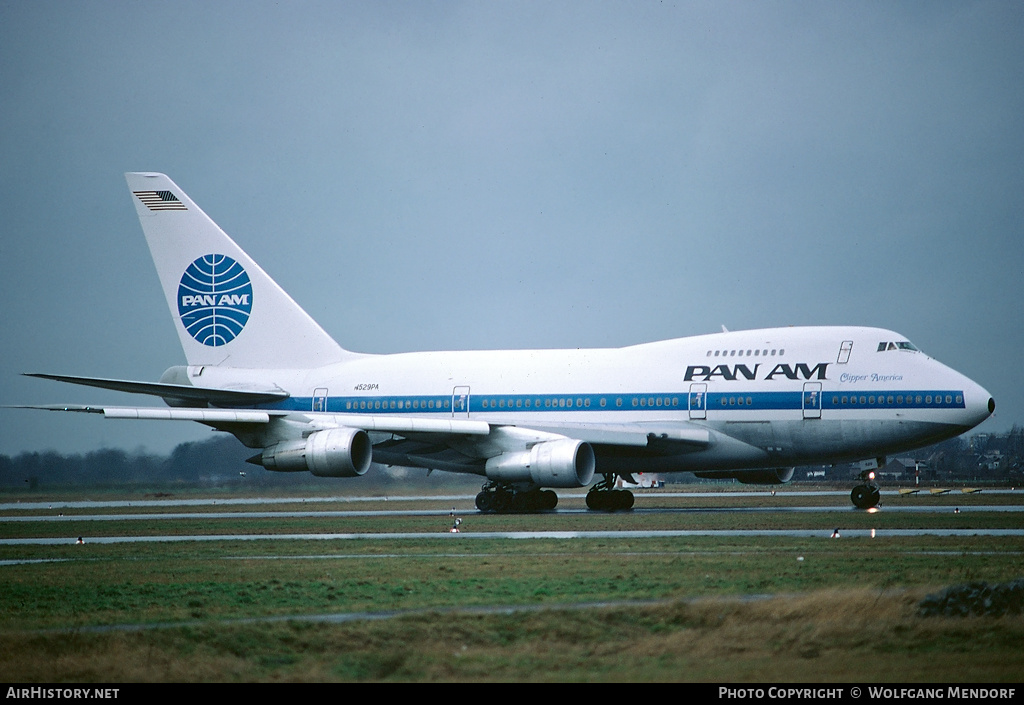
[748, 405]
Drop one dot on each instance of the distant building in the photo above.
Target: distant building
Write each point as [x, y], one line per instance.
[904, 471]
[644, 480]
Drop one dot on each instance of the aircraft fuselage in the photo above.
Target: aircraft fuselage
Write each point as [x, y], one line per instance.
[768, 398]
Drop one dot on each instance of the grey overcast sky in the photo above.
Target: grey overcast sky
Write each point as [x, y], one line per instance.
[453, 175]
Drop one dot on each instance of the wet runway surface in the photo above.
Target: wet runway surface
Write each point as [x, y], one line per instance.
[640, 497]
[164, 516]
[53, 512]
[467, 536]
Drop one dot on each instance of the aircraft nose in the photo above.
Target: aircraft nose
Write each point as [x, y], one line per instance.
[979, 403]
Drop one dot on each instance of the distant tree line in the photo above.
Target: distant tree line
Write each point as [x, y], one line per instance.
[985, 459]
[221, 462]
[993, 457]
[218, 462]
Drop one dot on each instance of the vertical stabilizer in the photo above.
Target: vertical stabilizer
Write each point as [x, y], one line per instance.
[226, 309]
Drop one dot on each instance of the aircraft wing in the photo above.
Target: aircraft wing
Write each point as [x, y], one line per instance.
[210, 416]
[627, 434]
[317, 420]
[453, 444]
[183, 392]
[468, 454]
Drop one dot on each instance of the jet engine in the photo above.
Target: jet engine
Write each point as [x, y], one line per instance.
[772, 476]
[561, 463]
[336, 452]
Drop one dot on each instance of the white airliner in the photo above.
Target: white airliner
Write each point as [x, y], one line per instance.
[748, 405]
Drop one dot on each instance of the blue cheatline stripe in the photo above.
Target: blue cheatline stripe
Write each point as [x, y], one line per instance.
[649, 401]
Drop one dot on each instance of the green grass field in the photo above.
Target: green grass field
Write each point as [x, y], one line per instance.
[697, 609]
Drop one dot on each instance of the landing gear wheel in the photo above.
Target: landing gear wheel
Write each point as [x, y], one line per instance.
[875, 496]
[602, 498]
[547, 500]
[626, 500]
[865, 496]
[503, 499]
[485, 501]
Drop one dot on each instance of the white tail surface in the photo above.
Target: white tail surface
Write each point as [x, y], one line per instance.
[226, 309]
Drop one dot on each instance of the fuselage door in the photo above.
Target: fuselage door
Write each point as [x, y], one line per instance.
[844, 352]
[320, 399]
[698, 400]
[460, 401]
[812, 400]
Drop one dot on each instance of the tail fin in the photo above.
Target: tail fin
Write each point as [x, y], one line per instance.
[226, 309]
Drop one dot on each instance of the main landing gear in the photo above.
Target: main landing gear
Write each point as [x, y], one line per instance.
[866, 495]
[603, 497]
[495, 497]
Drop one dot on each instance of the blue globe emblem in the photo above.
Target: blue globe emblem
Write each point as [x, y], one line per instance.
[214, 299]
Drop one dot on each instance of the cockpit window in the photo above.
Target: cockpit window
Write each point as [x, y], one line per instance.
[900, 345]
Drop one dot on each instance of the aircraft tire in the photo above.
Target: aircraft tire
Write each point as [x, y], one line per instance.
[503, 501]
[548, 500]
[610, 500]
[524, 502]
[485, 501]
[865, 496]
[626, 500]
[875, 496]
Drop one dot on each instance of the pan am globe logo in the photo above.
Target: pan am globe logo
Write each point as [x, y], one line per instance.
[214, 299]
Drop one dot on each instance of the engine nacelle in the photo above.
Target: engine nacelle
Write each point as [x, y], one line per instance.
[561, 463]
[774, 476]
[336, 452]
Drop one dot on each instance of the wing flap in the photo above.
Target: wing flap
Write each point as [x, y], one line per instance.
[403, 424]
[626, 434]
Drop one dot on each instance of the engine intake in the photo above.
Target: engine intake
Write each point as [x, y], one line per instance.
[336, 452]
[562, 463]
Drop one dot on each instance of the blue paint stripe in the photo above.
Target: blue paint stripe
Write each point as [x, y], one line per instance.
[715, 401]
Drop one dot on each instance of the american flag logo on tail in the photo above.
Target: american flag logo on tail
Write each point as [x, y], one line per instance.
[160, 201]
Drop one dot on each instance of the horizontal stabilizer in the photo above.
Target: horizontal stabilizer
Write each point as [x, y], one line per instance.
[183, 392]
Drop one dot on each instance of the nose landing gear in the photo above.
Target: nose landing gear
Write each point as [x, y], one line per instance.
[867, 494]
